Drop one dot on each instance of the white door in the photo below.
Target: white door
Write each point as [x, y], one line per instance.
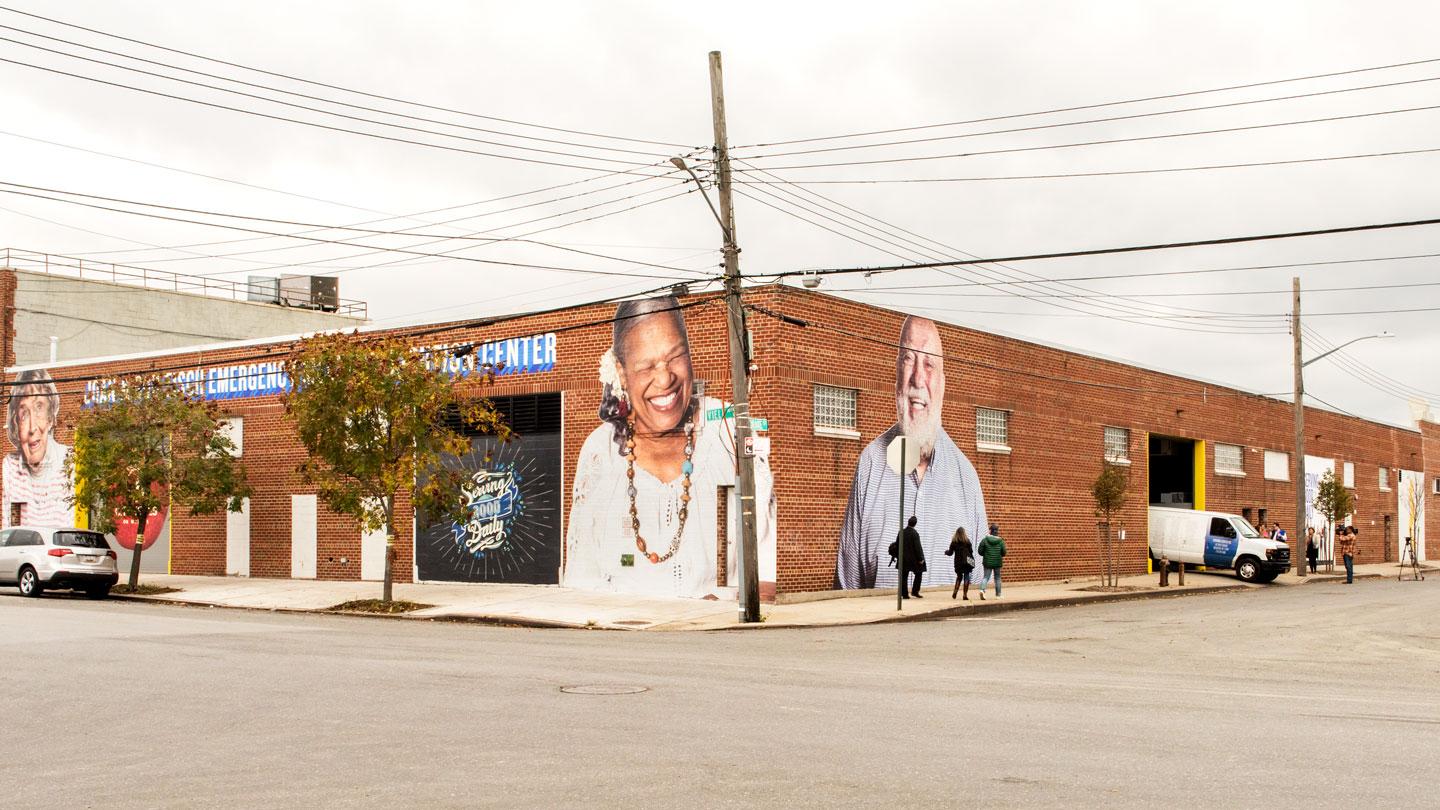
[303, 536]
[372, 555]
[237, 541]
[1411, 502]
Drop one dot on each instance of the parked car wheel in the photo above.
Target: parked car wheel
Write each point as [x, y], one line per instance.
[30, 582]
[97, 591]
[1248, 569]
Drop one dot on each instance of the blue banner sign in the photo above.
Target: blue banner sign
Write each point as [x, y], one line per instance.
[523, 355]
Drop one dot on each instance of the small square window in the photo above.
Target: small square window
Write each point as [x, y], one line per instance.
[1117, 445]
[1229, 459]
[835, 410]
[1277, 466]
[992, 429]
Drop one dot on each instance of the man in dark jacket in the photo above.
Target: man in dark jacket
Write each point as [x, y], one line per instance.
[914, 558]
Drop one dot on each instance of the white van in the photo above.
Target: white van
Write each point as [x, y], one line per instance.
[1216, 540]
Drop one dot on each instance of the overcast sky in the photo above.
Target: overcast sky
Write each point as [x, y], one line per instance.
[792, 71]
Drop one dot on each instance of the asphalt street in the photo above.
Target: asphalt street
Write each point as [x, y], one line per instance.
[1315, 696]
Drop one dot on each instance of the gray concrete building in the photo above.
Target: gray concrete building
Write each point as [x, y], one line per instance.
[92, 309]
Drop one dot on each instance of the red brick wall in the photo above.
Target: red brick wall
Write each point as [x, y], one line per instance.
[7, 316]
[1039, 492]
[1059, 404]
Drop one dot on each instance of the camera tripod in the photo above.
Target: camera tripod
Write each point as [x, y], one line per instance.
[1407, 556]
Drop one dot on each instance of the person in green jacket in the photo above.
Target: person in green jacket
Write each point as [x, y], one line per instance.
[992, 556]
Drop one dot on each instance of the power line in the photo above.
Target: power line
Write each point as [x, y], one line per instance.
[1108, 120]
[1157, 273]
[928, 290]
[1363, 371]
[320, 240]
[197, 174]
[316, 124]
[1205, 389]
[336, 87]
[310, 96]
[307, 108]
[950, 252]
[445, 209]
[321, 263]
[1112, 173]
[320, 227]
[1230, 240]
[1103, 141]
[1100, 105]
[1120, 315]
[447, 254]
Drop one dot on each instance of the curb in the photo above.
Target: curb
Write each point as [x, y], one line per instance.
[956, 611]
[1066, 601]
[498, 621]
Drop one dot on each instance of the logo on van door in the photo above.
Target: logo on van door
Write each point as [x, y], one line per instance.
[1221, 543]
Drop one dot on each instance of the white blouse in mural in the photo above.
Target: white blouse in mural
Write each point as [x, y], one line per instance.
[45, 492]
[599, 531]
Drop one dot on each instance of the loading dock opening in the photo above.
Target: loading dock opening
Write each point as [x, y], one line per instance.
[1172, 473]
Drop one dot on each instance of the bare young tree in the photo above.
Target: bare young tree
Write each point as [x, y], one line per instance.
[1108, 490]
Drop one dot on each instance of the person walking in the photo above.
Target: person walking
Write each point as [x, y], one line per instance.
[1312, 551]
[914, 559]
[1346, 541]
[1279, 533]
[992, 556]
[964, 553]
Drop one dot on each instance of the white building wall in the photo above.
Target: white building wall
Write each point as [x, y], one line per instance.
[101, 318]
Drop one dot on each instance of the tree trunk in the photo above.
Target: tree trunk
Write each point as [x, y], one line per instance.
[139, 546]
[389, 549]
[1101, 529]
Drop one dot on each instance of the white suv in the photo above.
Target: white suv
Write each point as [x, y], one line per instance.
[40, 557]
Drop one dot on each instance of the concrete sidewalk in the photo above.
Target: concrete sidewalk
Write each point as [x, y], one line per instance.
[551, 606]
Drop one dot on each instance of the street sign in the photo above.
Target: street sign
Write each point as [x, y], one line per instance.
[911, 460]
[716, 414]
[757, 445]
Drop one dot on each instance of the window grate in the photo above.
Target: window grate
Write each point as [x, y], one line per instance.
[835, 408]
[992, 427]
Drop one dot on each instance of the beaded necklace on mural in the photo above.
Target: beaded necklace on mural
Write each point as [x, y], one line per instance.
[685, 469]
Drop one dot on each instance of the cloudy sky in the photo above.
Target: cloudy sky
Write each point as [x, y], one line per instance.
[552, 123]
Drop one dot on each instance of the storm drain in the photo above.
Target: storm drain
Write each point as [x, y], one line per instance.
[603, 689]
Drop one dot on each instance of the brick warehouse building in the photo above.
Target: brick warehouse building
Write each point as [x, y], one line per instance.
[1034, 421]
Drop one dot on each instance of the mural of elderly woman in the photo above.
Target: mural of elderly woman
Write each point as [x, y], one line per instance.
[643, 515]
[34, 473]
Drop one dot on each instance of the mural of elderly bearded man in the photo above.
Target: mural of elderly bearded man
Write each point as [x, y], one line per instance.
[943, 491]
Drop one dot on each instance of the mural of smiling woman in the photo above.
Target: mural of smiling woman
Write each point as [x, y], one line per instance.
[36, 485]
[647, 484]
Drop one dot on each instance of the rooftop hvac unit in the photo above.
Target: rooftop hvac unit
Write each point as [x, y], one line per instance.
[263, 289]
[310, 292]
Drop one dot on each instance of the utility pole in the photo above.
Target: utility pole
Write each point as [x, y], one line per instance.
[739, 356]
[1299, 475]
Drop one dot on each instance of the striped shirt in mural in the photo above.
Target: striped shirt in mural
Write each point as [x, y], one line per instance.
[44, 492]
[947, 498]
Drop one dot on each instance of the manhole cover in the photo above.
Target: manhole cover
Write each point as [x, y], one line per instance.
[603, 689]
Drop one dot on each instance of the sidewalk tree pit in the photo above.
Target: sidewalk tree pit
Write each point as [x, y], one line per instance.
[376, 419]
